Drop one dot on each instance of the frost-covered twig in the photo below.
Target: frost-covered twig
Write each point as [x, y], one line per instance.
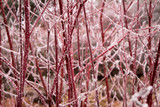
[143, 94]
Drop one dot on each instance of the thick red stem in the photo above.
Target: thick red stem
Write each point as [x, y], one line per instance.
[25, 58]
[0, 70]
[153, 76]
[149, 99]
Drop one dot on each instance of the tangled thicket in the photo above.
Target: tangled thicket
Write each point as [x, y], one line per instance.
[79, 53]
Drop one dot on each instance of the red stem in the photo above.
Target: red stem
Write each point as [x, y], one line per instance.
[149, 31]
[153, 76]
[78, 43]
[70, 54]
[0, 69]
[91, 56]
[56, 52]
[41, 77]
[87, 83]
[126, 25]
[78, 12]
[48, 70]
[149, 100]
[8, 35]
[21, 51]
[101, 21]
[65, 46]
[11, 66]
[68, 62]
[101, 55]
[150, 25]
[60, 64]
[149, 42]
[27, 43]
[61, 85]
[104, 65]
[79, 54]
[135, 54]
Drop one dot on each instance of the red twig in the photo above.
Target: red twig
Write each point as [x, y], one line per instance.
[10, 10]
[36, 22]
[41, 77]
[60, 64]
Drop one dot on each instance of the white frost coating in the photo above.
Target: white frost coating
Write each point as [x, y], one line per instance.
[50, 9]
[82, 96]
[117, 62]
[144, 105]
[146, 91]
[8, 50]
[38, 50]
[104, 88]
[94, 80]
[60, 44]
[92, 0]
[84, 83]
[143, 93]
